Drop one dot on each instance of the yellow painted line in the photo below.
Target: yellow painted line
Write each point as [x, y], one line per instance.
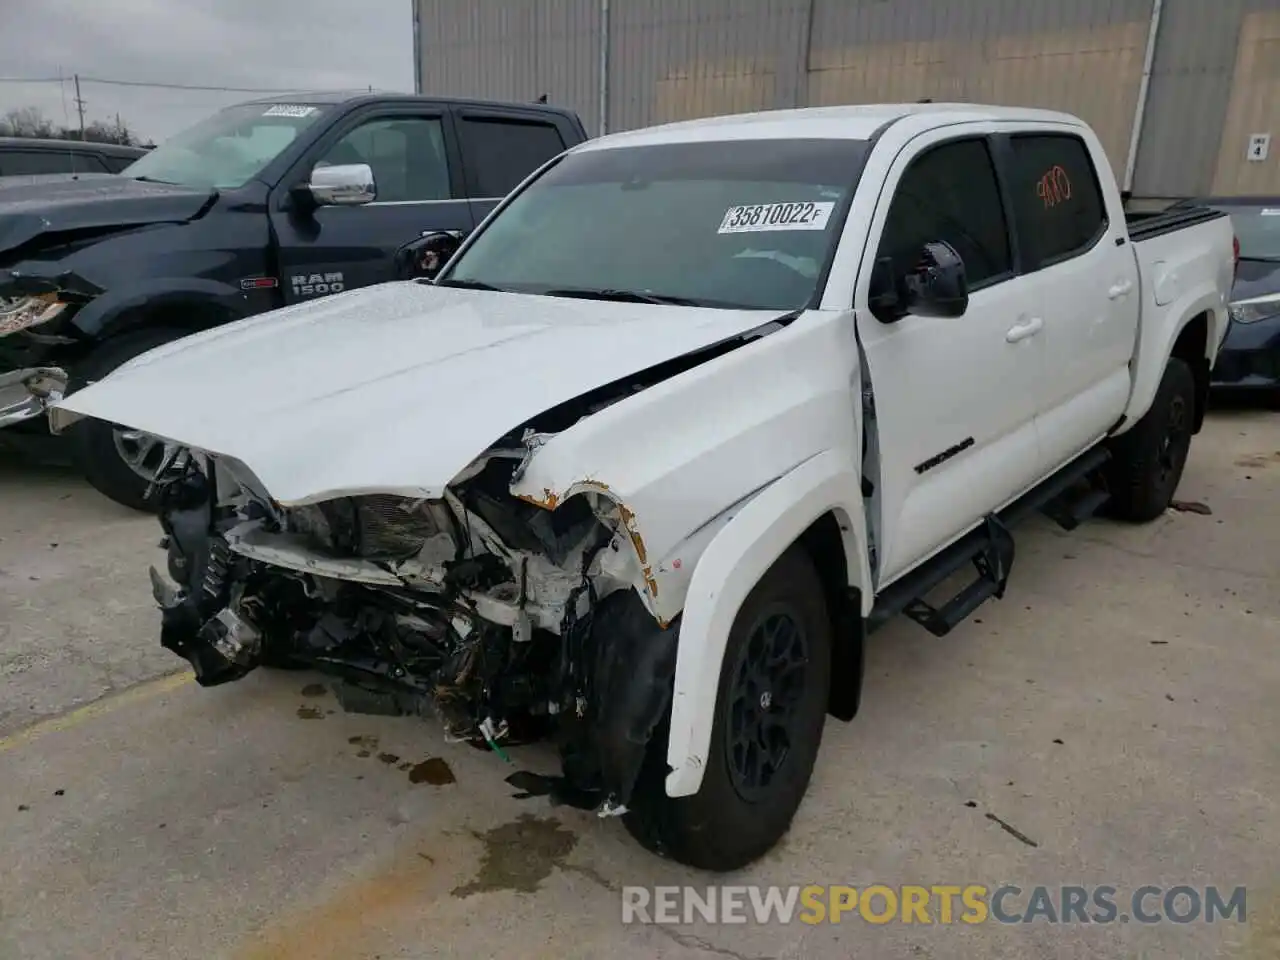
[99, 708]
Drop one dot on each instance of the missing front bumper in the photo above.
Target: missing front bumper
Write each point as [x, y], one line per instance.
[220, 649]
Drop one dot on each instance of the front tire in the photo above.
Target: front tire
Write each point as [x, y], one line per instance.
[1147, 461]
[114, 459]
[769, 714]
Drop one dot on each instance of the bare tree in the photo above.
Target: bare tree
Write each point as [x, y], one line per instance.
[101, 132]
[27, 122]
[31, 122]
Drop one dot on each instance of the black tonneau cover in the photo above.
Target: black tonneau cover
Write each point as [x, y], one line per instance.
[1147, 226]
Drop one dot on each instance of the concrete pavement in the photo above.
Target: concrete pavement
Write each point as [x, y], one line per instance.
[1111, 721]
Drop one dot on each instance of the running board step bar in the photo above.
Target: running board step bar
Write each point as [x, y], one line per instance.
[990, 549]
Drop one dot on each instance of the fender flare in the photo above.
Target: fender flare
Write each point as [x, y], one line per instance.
[727, 571]
[109, 312]
[1155, 347]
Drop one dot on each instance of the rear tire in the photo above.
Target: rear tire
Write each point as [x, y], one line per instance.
[1148, 460]
[770, 709]
[97, 445]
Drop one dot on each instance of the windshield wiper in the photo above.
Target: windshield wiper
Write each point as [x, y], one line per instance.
[622, 296]
[1260, 259]
[464, 284]
[154, 180]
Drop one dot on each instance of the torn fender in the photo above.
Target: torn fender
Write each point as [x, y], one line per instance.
[681, 456]
[732, 564]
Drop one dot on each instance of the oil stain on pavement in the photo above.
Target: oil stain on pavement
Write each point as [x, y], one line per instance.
[519, 855]
[433, 771]
[362, 917]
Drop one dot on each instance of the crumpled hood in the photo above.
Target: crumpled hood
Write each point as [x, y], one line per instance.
[394, 388]
[31, 210]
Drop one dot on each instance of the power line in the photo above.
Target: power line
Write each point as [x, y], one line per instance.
[160, 86]
[187, 86]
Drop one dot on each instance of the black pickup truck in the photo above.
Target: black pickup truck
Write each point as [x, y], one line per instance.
[261, 205]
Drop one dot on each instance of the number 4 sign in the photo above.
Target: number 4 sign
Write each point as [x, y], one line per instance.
[1259, 147]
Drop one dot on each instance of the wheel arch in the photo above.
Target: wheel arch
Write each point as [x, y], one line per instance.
[1192, 337]
[188, 304]
[1192, 347]
[815, 505]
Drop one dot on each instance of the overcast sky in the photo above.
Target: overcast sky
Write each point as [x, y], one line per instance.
[290, 44]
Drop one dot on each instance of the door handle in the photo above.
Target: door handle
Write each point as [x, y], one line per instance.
[1121, 289]
[1023, 330]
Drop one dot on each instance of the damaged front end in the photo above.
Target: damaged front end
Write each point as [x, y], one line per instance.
[507, 621]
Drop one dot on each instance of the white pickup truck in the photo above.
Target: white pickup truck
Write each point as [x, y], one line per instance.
[690, 414]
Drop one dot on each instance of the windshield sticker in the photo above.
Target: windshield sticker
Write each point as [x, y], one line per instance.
[290, 110]
[1271, 212]
[760, 217]
[1054, 187]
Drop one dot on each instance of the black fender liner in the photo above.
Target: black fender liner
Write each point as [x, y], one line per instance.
[632, 679]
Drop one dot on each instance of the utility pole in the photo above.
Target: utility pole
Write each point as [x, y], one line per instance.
[80, 106]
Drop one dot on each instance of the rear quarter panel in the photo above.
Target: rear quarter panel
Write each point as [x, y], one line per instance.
[1182, 274]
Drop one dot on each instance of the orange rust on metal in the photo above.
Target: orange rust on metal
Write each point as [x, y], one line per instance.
[547, 501]
[629, 521]
[637, 541]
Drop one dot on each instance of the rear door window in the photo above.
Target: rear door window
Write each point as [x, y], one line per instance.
[116, 164]
[1057, 198]
[43, 162]
[88, 163]
[499, 152]
[25, 163]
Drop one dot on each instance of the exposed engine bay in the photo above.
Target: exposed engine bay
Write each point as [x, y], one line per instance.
[507, 621]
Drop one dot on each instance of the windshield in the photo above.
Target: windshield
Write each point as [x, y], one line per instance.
[745, 224]
[228, 149]
[1258, 230]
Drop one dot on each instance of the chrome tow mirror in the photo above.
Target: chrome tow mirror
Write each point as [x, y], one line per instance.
[342, 185]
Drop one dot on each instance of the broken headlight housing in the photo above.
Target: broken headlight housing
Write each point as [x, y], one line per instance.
[21, 313]
[373, 527]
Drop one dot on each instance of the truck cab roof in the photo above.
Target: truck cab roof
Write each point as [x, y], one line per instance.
[356, 98]
[852, 122]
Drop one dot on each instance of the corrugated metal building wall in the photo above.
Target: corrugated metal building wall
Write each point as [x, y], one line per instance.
[1214, 77]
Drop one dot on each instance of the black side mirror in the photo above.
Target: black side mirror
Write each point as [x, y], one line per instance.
[934, 286]
[423, 258]
[937, 286]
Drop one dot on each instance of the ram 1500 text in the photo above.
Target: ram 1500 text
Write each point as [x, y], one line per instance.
[695, 409]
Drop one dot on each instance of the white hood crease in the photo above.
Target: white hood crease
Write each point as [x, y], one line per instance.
[389, 389]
